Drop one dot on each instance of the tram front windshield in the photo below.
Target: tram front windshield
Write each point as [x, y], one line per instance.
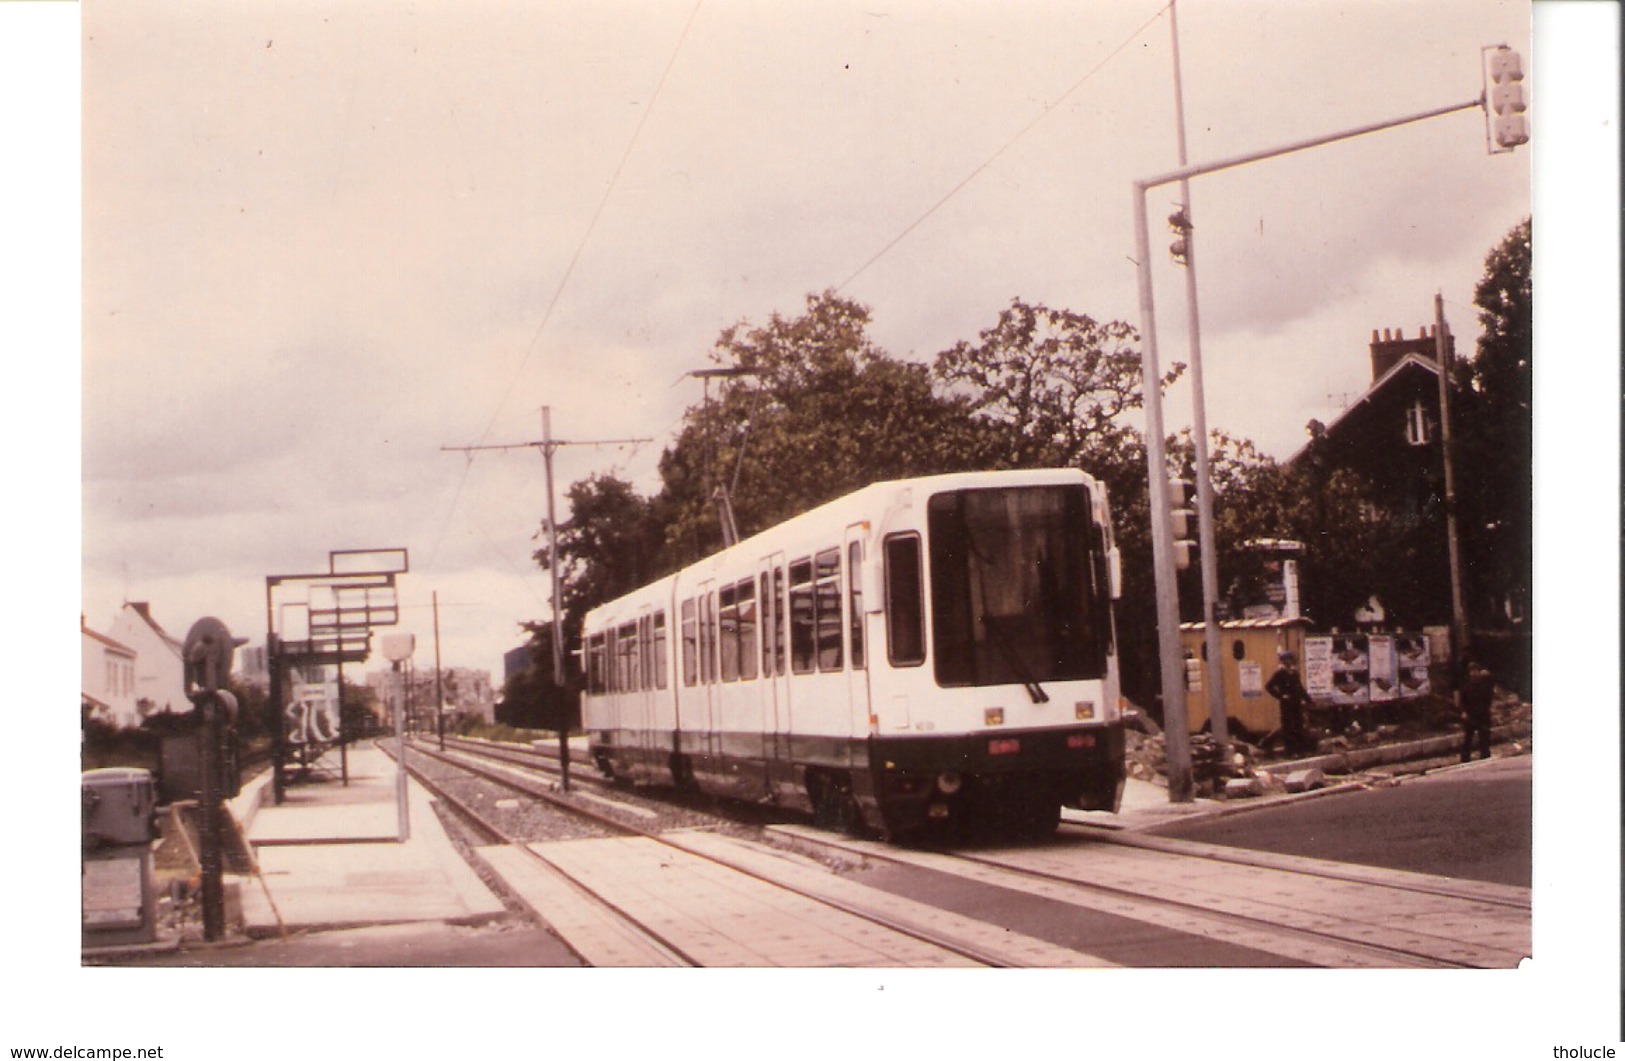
[1018, 590]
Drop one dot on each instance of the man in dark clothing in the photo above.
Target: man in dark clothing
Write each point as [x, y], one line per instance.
[1476, 694]
[1288, 690]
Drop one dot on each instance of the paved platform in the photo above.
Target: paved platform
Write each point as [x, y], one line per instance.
[330, 856]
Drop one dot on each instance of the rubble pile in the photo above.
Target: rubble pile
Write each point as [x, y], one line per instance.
[1257, 769]
[1211, 770]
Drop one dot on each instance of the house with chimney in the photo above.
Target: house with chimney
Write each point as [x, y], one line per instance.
[1390, 437]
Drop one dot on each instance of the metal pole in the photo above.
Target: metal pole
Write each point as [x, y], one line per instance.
[1443, 349]
[1213, 674]
[1173, 668]
[403, 828]
[344, 746]
[273, 706]
[439, 691]
[558, 619]
[1175, 728]
[209, 840]
[1184, 172]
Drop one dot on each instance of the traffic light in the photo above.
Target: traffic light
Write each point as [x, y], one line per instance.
[1504, 104]
[1181, 513]
[1180, 225]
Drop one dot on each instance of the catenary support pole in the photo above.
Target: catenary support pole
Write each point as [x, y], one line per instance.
[558, 617]
[1176, 731]
[439, 691]
[1444, 348]
[1212, 673]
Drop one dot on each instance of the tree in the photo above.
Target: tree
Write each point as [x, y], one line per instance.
[1054, 385]
[531, 699]
[1493, 421]
[1054, 388]
[610, 545]
[819, 411]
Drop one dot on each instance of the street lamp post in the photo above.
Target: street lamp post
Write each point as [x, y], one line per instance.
[397, 649]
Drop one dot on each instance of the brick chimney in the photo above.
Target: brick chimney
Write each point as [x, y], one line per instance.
[1388, 349]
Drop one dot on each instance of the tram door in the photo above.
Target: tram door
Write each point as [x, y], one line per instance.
[699, 742]
[857, 672]
[774, 685]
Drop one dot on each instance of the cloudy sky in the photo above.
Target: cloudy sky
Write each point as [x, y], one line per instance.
[322, 242]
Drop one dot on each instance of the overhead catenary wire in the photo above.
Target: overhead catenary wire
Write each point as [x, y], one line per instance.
[569, 272]
[997, 154]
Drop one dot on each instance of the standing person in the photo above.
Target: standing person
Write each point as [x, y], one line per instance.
[1476, 694]
[1289, 693]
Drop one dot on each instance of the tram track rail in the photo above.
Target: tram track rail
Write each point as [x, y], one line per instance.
[719, 855]
[1002, 868]
[1286, 932]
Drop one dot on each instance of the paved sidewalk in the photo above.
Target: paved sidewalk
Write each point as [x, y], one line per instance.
[330, 856]
[1146, 806]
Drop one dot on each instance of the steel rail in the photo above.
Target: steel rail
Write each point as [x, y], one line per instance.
[490, 829]
[952, 946]
[1247, 920]
[1473, 891]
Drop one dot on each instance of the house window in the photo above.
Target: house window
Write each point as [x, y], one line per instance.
[1417, 432]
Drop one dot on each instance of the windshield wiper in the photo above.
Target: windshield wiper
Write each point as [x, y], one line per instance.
[1028, 681]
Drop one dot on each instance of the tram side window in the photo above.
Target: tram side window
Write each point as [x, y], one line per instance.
[708, 638]
[645, 647]
[905, 601]
[801, 617]
[596, 683]
[745, 595]
[660, 649]
[627, 642]
[691, 648]
[728, 624]
[779, 620]
[827, 606]
[611, 663]
[854, 601]
[768, 616]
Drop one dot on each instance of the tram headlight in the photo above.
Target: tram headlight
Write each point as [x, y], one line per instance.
[949, 782]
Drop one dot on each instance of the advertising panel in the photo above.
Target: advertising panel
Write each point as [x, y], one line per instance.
[1351, 669]
[1317, 667]
[1384, 668]
[1412, 660]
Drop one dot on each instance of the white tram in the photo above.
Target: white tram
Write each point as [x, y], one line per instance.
[926, 649]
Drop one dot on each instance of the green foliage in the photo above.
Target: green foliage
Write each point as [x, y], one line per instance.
[1051, 387]
[818, 410]
[531, 699]
[1493, 421]
[822, 412]
[1054, 388]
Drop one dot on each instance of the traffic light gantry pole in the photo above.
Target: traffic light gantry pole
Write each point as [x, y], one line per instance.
[1175, 724]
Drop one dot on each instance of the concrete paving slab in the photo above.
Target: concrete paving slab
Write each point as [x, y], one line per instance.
[348, 871]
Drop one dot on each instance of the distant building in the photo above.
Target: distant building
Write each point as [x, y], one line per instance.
[467, 691]
[107, 684]
[252, 669]
[1390, 435]
[160, 676]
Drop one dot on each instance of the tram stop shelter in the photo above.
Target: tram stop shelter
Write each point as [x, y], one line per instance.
[1249, 652]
